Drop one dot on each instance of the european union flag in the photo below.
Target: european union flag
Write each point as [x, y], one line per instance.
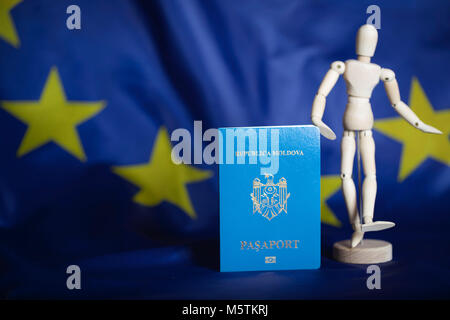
[91, 92]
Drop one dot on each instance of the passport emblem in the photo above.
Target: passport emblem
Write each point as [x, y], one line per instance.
[269, 199]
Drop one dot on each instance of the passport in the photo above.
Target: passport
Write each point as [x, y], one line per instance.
[269, 183]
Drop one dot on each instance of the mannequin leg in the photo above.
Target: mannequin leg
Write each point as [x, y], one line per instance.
[348, 147]
[369, 188]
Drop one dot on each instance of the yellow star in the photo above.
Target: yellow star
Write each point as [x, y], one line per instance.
[417, 145]
[7, 28]
[162, 180]
[329, 186]
[52, 118]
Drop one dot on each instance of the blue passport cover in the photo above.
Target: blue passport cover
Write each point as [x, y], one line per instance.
[269, 198]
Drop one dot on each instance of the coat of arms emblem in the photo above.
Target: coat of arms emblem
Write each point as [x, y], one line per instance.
[269, 199]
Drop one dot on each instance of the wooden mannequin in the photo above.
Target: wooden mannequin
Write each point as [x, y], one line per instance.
[361, 76]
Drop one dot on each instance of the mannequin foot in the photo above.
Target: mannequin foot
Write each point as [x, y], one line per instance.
[376, 226]
[357, 236]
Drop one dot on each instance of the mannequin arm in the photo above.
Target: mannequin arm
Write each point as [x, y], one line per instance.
[318, 107]
[393, 93]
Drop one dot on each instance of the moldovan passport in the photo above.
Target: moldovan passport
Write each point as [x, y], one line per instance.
[269, 198]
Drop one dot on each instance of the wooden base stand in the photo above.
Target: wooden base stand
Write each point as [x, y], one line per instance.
[368, 252]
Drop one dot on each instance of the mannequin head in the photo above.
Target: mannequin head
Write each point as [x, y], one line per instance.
[366, 41]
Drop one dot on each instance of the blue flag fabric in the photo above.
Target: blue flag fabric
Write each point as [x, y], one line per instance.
[85, 120]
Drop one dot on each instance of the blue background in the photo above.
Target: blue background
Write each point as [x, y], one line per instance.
[227, 63]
